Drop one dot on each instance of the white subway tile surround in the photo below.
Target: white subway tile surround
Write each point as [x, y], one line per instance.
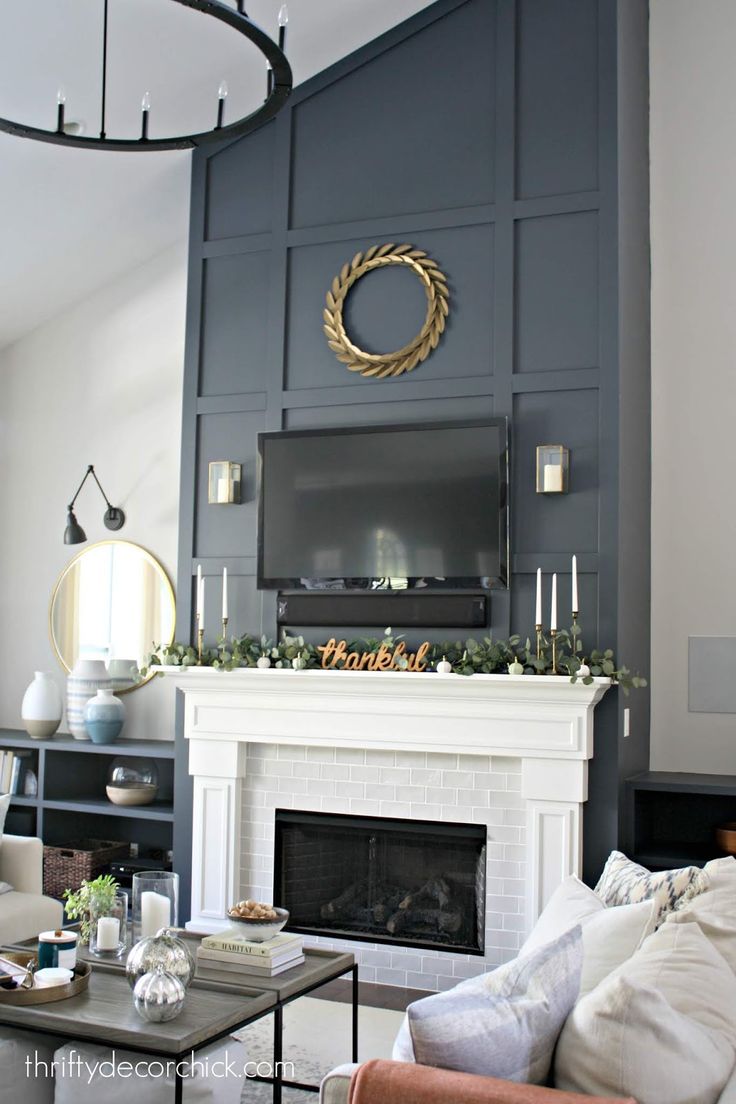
[374, 784]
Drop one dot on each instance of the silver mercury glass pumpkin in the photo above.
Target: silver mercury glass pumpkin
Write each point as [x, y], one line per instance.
[163, 951]
[158, 996]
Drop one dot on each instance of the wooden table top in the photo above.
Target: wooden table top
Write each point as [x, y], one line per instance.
[320, 965]
[105, 1014]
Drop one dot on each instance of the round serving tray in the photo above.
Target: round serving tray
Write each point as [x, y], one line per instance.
[46, 994]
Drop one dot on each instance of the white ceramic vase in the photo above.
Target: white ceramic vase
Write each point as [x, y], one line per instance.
[122, 673]
[88, 676]
[42, 707]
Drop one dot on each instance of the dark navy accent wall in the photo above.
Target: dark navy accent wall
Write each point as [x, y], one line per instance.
[508, 138]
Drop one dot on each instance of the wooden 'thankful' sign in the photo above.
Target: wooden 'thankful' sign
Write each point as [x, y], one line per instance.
[335, 654]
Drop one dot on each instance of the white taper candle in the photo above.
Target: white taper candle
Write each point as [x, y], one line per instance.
[575, 606]
[198, 591]
[538, 620]
[553, 608]
[224, 594]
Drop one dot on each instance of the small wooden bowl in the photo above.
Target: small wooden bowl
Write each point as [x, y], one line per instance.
[726, 837]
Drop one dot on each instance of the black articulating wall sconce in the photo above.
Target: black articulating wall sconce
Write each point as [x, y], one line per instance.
[114, 517]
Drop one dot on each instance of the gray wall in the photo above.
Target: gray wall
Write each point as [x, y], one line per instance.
[486, 132]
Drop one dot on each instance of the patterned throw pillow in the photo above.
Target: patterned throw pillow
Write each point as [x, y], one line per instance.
[502, 1024]
[624, 882]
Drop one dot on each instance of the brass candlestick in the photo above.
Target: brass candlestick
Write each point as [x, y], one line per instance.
[553, 634]
[539, 641]
[224, 628]
[200, 641]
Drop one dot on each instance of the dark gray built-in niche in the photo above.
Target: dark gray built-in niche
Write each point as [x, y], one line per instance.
[509, 140]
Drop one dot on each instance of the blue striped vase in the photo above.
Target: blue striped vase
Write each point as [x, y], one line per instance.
[88, 676]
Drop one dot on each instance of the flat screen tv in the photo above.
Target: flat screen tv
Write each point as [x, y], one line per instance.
[384, 507]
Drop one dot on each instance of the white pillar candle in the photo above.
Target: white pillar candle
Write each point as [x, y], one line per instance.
[539, 597]
[224, 593]
[575, 606]
[108, 933]
[552, 478]
[155, 913]
[553, 609]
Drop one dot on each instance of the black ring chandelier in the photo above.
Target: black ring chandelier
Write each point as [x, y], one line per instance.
[278, 87]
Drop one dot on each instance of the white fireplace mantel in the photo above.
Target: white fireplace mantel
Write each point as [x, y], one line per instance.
[544, 721]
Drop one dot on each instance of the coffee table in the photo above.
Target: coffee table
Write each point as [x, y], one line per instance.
[212, 1010]
[104, 1014]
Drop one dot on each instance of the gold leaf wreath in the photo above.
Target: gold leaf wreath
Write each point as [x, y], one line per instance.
[381, 365]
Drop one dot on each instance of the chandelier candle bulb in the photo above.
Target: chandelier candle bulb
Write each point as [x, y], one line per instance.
[553, 608]
[145, 110]
[283, 20]
[221, 97]
[575, 605]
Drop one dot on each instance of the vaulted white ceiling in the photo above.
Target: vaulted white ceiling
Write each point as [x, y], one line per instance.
[73, 220]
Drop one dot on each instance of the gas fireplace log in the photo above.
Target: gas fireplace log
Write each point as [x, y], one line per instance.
[436, 889]
[339, 905]
[445, 920]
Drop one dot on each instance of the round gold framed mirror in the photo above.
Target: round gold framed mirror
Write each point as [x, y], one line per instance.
[113, 601]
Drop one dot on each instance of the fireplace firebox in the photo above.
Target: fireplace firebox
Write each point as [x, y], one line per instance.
[382, 880]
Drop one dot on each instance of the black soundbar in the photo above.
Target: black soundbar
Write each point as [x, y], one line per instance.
[401, 609]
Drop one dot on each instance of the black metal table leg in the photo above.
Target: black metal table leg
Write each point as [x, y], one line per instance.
[278, 1045]
[178, 1086]
[355, 1012]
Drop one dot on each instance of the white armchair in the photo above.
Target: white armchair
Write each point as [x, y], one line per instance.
[25, 912]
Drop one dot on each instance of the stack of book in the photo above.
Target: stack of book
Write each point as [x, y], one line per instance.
[11, 766]
[224, 957]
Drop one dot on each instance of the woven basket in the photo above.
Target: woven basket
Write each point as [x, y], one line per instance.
[67, 867]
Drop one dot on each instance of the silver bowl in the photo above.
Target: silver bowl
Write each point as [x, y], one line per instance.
[259, 931]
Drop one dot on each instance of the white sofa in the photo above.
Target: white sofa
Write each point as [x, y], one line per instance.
[675, 983]
[25, 911]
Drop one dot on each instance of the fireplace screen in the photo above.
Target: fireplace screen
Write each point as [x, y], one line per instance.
[409, 882]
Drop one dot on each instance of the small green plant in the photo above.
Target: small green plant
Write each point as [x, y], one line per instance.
[98, 894]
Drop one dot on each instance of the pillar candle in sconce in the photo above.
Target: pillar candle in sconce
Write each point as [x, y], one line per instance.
[552, 479]
[553, 467]
[223, 485]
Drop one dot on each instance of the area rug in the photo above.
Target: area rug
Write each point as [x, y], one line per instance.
[316, 1039]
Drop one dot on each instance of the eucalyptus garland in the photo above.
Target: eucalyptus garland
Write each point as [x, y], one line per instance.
[470, 657]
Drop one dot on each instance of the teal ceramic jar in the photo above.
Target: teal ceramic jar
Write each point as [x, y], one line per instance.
[104, 716]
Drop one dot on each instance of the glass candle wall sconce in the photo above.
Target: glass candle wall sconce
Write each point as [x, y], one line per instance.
[553, 469]
[224, 483]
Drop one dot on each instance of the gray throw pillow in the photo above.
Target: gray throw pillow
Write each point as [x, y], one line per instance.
[624, 882]
[503, 1024]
